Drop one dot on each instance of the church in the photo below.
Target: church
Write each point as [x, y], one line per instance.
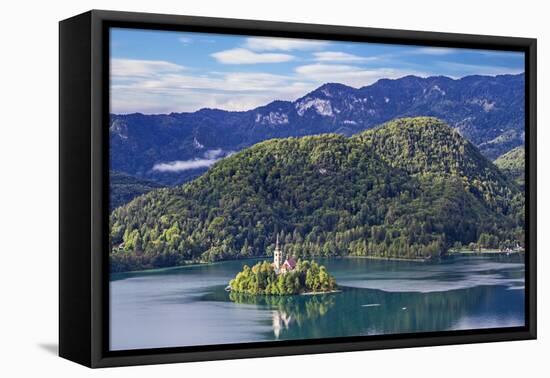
[282, 267]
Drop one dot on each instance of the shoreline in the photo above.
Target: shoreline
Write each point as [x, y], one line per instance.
[420, 260]
[190, 265]
[404, 259]
[288, 295]
[322, 292]
[485, 252]
[166, 269]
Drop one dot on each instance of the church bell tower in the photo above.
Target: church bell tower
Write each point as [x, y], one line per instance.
[277, 255]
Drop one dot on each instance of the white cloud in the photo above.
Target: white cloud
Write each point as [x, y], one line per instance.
[324, 69]
[339, 56]
[244, 56]
[165, 92]
[284, 44]
[253, 81]
[464, 69]
[220, 81]
[212, 154]
[210, 157]
[454, 50]
[151, 87]
[142, 68]
[126, 100]
[183, 165]
[180, 92]
[185, 40]
[502, 54]
[353, 76]
[435, 50]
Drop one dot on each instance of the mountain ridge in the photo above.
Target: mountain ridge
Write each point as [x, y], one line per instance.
[329, 84]
[487, 110]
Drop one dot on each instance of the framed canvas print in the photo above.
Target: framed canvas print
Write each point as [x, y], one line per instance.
[234, 188]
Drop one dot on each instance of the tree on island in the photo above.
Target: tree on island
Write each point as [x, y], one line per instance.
[262, 279]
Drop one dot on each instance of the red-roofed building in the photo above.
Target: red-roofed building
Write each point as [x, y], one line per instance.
[278, 264]
[288, 265]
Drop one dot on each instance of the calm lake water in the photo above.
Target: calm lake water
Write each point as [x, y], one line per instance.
[188, 306]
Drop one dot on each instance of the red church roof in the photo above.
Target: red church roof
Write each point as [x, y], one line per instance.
[290, 262]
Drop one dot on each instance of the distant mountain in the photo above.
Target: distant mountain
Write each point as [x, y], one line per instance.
[410, 189]
[512, 164]
[487, 110]
[123, 188]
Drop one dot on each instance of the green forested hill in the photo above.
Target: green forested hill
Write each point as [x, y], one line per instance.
[410, 188]
[512, 164]
[123, 188]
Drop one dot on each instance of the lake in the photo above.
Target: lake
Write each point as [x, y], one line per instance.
[188, 306]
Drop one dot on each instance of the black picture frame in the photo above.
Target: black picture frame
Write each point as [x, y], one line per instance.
[83, 181]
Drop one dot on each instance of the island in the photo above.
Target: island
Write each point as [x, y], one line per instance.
[283, 278]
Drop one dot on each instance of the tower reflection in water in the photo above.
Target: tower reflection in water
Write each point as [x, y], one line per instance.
[281, 321]
[288, 311]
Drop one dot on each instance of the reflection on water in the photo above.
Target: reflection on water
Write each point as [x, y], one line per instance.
[285, 310]
[288, 310]
[190, 306]
[357, 311]
[281, 320]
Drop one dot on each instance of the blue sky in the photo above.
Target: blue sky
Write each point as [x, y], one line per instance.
[163, 72]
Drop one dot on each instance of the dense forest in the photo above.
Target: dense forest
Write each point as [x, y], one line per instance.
[411, 188]
[123, 188]
[512, 164]
[308, 276]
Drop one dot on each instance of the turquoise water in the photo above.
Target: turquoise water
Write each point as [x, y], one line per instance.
[188, 306]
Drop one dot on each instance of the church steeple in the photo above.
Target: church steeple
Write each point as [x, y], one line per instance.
[277, 254]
